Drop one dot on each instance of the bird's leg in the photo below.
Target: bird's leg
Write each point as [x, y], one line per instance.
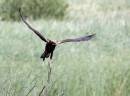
[43, 56]
[51, 56]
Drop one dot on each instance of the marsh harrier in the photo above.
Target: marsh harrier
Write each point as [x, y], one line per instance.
[50, 44]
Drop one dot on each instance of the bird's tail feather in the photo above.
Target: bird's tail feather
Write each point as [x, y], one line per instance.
[45, 55]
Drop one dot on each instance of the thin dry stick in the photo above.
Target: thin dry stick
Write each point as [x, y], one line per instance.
[48, 79]
[44, 88]
[49, 72]
[33, 85]
[31, 89]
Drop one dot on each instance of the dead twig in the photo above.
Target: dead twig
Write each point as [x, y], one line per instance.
[49, 71]
[31, 89]
[45, 87]
[42, 90]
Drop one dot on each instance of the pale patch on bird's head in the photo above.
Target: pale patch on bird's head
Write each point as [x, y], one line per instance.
[52, 42]
[55, 41]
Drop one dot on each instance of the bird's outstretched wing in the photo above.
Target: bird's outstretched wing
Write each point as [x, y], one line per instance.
[30, 27]
[83, 38]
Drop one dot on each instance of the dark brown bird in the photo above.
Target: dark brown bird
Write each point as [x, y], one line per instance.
[50, 45]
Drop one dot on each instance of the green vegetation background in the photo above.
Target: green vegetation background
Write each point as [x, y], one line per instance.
[33, 8]
[100, 67]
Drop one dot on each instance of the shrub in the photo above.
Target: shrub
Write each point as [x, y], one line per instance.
[33, 8]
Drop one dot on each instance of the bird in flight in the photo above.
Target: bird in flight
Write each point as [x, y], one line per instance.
[50, 44]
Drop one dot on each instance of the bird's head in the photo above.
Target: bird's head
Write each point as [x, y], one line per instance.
[52, 42]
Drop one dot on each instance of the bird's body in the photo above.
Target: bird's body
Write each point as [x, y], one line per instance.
[49, 49]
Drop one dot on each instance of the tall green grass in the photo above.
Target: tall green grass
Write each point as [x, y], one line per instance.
[99, 67]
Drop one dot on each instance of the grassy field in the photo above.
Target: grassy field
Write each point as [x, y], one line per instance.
[100, 67]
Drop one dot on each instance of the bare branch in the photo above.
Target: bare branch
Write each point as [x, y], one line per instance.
[31, 89]
[49, 71]
[45, 87]
[42, 90]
